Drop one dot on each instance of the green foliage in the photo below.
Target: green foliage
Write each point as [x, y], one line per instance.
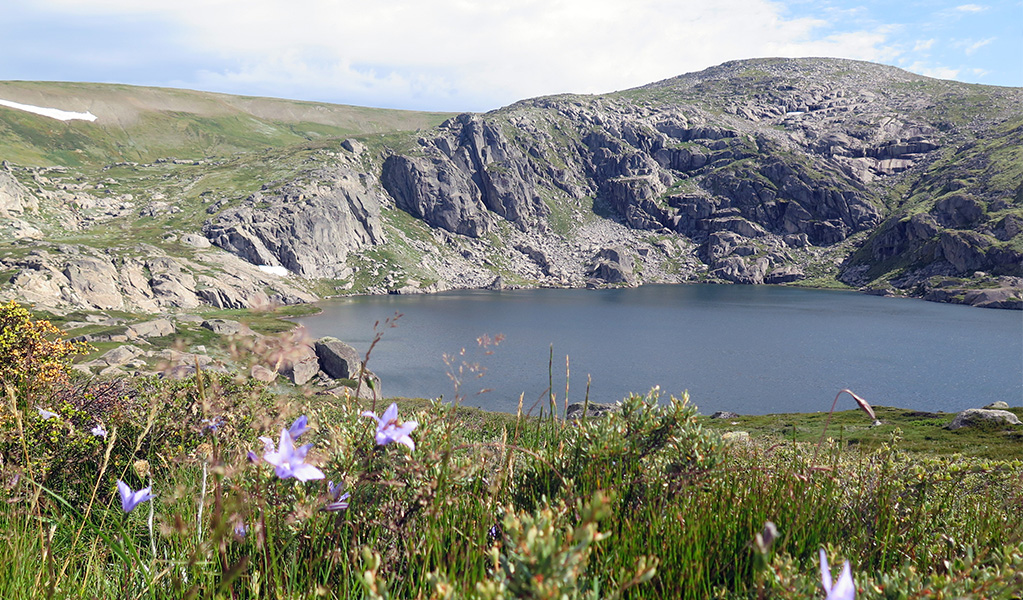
[540, 557]
[645, 502]
[923, 434]
[29, 359]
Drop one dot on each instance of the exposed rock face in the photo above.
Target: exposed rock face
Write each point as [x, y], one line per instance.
[724, 414]
[337, 359]
[974, 417]
[614, 266]
[760, 171]
[82, 278]
[155, 328]
[576, 410]
[469, 175]
[308, 229]
[14, 198]
[93, 280]
[439, 194]
[224, 326]
[301, 365]
[121, 354]
[785, 274]
[790, 168]
[948, 228]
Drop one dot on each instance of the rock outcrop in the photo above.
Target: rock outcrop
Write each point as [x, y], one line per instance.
[14, 198]
[981, 417]
[308, 229]
[63, 277]
[337, 359]
[763, 171]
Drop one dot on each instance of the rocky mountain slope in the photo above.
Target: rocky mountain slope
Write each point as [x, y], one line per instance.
[819, 172]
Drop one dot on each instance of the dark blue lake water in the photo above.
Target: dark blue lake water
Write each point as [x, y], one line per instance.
[747, 349]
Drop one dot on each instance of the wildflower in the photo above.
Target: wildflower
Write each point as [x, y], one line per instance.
[212, 424]
[288, 460]
[844, 588]
[388, 429]
[46, 414]
[338, 501]
[494, 534]
[240, 530]
[334, 489]
[99, 431]
[130, 499]
[298, 427]
[765, 539]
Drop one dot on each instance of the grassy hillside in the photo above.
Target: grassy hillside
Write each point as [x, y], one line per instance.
[142, 123]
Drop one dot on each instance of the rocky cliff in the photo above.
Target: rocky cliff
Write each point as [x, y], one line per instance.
[809, 171]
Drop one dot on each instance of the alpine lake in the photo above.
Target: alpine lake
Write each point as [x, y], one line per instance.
[751, 350]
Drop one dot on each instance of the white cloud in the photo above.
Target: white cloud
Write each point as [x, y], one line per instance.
[971, 48]
[972, 8]
[451, 52]
[923, 45]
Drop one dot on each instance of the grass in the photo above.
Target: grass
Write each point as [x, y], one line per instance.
[918, 432]
[647, 502]
[160, 122]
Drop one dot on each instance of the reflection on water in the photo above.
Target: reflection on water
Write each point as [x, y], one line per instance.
[747, 349]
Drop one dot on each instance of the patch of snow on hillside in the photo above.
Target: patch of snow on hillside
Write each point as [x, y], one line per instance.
[279, 271]
[53, 113]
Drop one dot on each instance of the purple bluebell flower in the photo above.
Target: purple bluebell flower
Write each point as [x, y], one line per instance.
[334, 489]
[99, 431]
[298, 427]
[212, 424]
[389, 430]
[46, 414]
[240, 530]
[844, 588]
[130, 499]
[289, 461]
[338, 501]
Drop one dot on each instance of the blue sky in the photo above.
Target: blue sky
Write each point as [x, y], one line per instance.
[476, 55]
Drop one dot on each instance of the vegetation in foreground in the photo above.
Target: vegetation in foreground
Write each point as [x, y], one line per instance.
[199, 489]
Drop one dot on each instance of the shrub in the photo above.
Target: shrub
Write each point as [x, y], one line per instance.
[30, 359]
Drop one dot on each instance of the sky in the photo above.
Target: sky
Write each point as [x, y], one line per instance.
[478, 55]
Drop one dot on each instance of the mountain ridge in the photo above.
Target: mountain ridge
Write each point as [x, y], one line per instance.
[820, 172]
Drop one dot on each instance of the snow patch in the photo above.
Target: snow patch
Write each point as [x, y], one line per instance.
[53, 113]
[279, 271]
